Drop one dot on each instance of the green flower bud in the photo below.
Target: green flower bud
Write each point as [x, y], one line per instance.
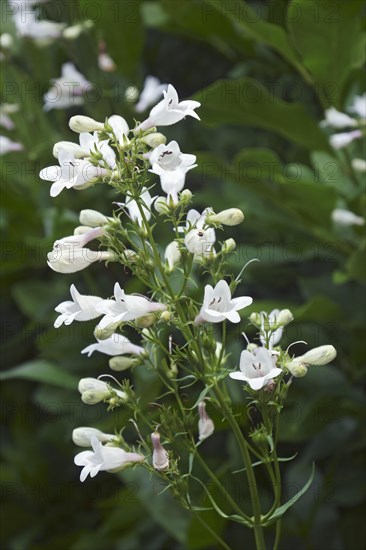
[80, 123]
[153, 140]
[229, 245]
[232, 216]
[120, 363]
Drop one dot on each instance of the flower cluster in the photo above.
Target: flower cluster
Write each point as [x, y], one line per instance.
[175, 330]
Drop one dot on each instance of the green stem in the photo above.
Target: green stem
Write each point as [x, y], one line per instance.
[229, 499]
[213, 533]
[257, 526]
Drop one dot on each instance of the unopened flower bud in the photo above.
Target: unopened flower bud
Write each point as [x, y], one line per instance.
[185, 196]
[82, 436]
[172, 255]
[284, 317]
[131, 94]
[105, 332]
[359, 165]
[318, 356]
[81, 229]
[120, 363]
[92, 218]
[166, 316]
[93, 390]
[153, 140]
[161, 205]
[232, 216]
[146, 320]
[160, 456]
[206, 427]
[255, 318]
[81, 123]
[70, 147]
[6, 41]
[229, 245]
[251, 347]
[297, 369]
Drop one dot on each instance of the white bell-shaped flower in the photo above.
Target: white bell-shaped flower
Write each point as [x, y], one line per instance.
[256, 368]
[117, 344]
[218, 305]
[171, 165]
[104, 458]
[125, 307]
[170, 110]
[82, 308]
[151, 92]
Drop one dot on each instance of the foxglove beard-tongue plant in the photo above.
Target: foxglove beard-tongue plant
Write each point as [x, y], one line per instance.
[177, 330]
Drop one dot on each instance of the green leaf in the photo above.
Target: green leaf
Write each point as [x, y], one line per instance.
[120, 23]
[41, 371]
[247, 102]
[282, 509]
[200, 21]
[246, 20]
[329, 37]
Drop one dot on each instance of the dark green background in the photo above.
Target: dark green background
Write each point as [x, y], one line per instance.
[264, 75]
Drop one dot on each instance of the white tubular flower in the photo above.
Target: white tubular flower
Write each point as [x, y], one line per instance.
[321, 355]
[80, 123]
[67, 91]
[104, 458]
[256, 368]
[133, 209]
[120, 129]
[72, 173]
[359, 106]
[231, 216]
[171, 165]
[338, 141]
[170, 110]
[268, 324]
[218, 305]
[359, 165]
[199, 238]
[338, 120]
[82, 436]
[172, 255]
[160, 458]
[82, 308]
[114, 345]
[206, 427]
[69, 255]
[125, 307]
[9, 146]
[152, 91]
[345, 217]
[93, 218]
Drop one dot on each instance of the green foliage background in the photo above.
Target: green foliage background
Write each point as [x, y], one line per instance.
[264, 72]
